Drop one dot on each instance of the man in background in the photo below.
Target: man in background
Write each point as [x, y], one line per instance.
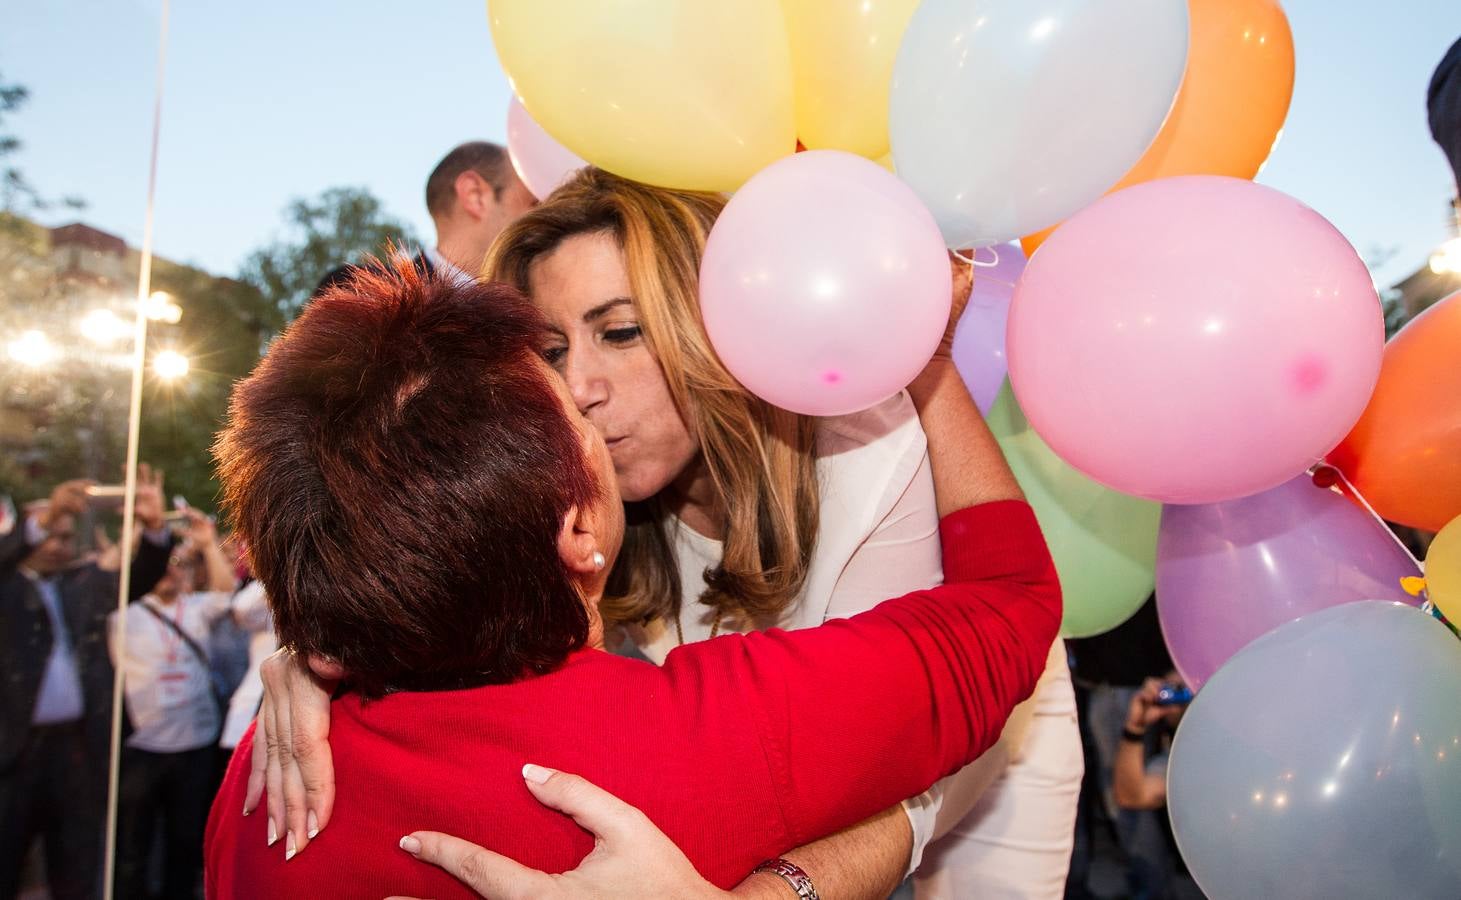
[472, 195]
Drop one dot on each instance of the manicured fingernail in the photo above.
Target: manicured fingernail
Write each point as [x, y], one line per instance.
[289, 850]
[273, 833]
[536, 774]
[247, 810]
[314, 825]
[410, 845]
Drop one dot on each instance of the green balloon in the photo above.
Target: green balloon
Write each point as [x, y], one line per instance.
[1104, 542]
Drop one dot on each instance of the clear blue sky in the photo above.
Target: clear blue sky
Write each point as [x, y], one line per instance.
[269, 100]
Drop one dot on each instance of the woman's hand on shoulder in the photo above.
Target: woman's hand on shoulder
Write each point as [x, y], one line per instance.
[292, 765]
[631, 857]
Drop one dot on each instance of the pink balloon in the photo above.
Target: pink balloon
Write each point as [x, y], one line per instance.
[541, 162]
[825, 285]
[1194, 339]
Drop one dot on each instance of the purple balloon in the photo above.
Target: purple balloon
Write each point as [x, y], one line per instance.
[1230, 572]
[979, 337]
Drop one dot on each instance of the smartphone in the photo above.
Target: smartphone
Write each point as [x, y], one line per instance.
[106, 495]
[1174, 695]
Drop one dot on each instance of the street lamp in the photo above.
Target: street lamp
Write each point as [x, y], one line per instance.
[103, 327]
[170, 365]
[1447, 260]
[33, 350]
[160, 307]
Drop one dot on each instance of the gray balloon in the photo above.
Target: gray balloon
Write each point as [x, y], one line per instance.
[1324, 761]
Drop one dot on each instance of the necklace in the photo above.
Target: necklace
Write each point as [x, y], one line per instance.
[714, 627]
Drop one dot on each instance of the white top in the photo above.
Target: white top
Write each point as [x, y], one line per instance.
[251, 612]
[877, 534]
[877, 538]
[168, 688]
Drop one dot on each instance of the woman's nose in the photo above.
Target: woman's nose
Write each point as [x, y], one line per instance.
[587, 382]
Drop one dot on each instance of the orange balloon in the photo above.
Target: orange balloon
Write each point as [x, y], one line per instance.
[1404, 454]
[1234, 97]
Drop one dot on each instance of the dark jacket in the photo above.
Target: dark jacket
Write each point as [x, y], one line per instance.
[88, 594]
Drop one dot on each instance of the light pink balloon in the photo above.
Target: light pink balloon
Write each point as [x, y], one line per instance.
[1194, 339]
[825, 285]
[541, 162]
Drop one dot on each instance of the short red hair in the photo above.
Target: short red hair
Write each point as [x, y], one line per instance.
[399, 466]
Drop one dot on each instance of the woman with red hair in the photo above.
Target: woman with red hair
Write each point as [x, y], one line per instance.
[429, 511]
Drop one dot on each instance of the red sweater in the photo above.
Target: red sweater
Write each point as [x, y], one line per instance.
[739, 748]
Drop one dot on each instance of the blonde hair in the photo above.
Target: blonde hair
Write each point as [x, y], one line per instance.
[761, 459]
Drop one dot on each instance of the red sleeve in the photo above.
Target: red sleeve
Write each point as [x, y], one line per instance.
[860, 713]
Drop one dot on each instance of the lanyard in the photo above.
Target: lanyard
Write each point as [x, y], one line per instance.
[171, 637]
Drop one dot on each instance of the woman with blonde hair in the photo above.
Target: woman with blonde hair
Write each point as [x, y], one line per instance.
[741, 516]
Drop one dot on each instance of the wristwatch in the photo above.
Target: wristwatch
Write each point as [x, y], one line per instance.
[793, 875]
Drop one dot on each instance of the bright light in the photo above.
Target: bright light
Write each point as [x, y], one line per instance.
[169, 365]
[1447, 260]
[103, 327]
[33, 350]
[160, 307]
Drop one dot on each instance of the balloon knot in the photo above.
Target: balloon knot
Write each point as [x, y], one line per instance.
[1412, 585]
[1325, 476]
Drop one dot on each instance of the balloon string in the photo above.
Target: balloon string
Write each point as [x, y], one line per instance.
[1428, 606]
[974, 259]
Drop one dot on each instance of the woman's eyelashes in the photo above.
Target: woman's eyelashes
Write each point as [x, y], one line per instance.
[622, 334]
[616, 336]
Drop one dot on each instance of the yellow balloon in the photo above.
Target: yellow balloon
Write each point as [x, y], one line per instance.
[842, 55]
[1443, 571]
[691, 95]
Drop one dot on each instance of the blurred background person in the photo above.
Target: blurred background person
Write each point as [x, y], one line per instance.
[472, 195]
[168, 760]
[251, 614]
[56, 696]
[1139, 778]
[1110, 670]
[1443, 104]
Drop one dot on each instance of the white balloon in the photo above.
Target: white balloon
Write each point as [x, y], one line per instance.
[1008, 116]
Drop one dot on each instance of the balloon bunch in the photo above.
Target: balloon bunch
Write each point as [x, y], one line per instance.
[1179, 351]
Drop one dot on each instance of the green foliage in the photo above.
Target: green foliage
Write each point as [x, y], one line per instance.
[338, 226]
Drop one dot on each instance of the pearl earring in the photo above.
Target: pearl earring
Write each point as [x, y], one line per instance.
[599, 561]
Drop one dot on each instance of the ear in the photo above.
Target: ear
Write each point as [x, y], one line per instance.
[578, 543]
[474, 194]
[325, 668]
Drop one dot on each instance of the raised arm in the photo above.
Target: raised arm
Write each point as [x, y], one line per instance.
[68, 499]
[153, 550]
[870, 859]
[204, 535]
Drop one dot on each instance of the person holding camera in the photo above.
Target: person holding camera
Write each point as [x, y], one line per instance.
[175, 715]
[56, 696]
[1139, 776]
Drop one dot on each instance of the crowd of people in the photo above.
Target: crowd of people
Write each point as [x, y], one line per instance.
[533, 553]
